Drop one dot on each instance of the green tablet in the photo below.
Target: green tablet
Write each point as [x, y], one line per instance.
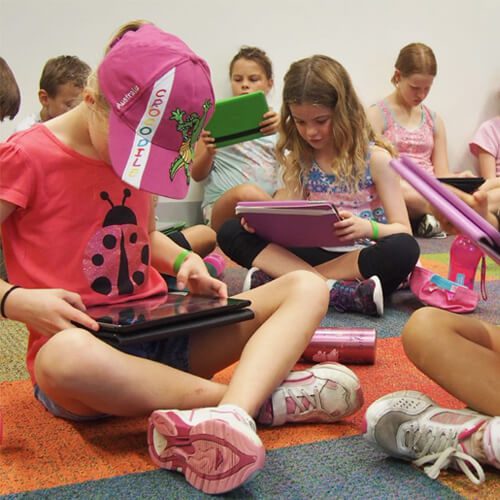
[237, 119]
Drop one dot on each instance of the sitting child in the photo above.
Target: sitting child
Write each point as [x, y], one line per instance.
[60, 89]
[461, 354]
[329, 153]
[95, 243]
[485, 145]
[413, 128]
[242, 172]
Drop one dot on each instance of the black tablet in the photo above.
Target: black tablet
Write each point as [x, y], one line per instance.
[466, 184]
[165, 315]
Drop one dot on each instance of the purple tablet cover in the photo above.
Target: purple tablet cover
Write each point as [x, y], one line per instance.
[293, 223]
[463, 217]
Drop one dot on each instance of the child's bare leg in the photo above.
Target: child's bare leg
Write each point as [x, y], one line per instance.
[287, 322]
[277, 261]
[224, 207]
[460, 353]
[86, 376]
[415, 203]
[201, 238]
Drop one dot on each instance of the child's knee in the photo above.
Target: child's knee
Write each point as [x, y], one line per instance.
[309, 285]
[418, 333]
[62, 355]
[249, 192]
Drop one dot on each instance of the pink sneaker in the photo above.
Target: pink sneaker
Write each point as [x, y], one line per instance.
[215, 264]
[217, 449]
[325, 392]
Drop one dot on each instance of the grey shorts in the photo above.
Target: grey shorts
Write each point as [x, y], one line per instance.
[172, 352]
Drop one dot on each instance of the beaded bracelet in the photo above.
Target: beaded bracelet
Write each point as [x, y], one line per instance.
[4, 298]
[179, 260]
[374, 224]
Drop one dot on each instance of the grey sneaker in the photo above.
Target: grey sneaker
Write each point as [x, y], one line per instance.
[429, 227]
[254, 278]
[409, 425]
[365, 296]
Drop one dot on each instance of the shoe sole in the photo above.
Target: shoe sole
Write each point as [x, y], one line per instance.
[213, 456]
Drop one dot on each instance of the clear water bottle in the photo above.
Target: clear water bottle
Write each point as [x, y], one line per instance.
[464, 259]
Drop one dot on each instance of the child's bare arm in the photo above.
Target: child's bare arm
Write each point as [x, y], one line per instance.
[47, 310]
[440, 152]
[203, 157]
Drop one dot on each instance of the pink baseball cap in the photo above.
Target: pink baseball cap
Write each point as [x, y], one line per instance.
[160, 97]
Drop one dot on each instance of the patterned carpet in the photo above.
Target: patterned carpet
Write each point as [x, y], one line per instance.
[50, 458]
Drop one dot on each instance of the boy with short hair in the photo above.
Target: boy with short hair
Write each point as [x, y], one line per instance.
[61, 84]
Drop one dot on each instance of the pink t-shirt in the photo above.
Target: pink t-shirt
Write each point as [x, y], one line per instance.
[416, 143]
[487, 138]
[77, 225]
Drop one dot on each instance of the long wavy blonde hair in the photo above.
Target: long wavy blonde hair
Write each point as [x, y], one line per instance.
[323, 81]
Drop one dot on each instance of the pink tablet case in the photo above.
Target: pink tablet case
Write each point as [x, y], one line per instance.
[463, 217]
[293, 223]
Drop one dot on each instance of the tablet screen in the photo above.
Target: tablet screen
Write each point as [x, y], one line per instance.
[160, 310]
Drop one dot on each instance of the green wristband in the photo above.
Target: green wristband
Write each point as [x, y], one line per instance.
[374, 224]
[179, 260]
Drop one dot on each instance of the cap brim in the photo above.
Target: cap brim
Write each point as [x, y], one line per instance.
[145, 165]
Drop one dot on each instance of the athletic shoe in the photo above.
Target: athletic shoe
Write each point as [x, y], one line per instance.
[325, 392]
[409, 425]
[254, 278]
[358, 296]
[429, 227]
[217, 449]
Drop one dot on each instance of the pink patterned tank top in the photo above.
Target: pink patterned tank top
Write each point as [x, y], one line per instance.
[417, 143]
[326, 187]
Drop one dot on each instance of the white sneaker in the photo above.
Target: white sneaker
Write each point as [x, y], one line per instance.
[429, 227]
[409, 425]
[254, 278]
[217, 449]
[325, 392]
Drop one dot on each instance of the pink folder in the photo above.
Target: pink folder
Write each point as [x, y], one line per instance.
[293, 223]
[463, 217]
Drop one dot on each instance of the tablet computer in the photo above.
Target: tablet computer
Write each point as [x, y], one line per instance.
[458, 213]
[467, 184]
[237, 119]
[162, 316]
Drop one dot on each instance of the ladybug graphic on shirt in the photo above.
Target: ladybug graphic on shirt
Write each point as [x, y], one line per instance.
[117, 256]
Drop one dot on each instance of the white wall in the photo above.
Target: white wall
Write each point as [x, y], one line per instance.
[364, 35]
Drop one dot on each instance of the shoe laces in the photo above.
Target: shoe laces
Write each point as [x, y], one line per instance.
[299, 400]
[441, 449]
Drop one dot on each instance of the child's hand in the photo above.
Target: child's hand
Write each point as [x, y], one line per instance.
[194, 276]
[209, 142]
[246, 226]
[270, 123]
[352, 227]
[48, 311]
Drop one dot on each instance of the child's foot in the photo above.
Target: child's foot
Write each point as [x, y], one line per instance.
[325, 392]
[409, 425]
[254, 278]
[217, 449]
[215, 264]
[358, 296]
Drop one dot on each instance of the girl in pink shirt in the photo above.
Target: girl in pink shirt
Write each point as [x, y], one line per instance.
[77, 235]
[412, 128]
